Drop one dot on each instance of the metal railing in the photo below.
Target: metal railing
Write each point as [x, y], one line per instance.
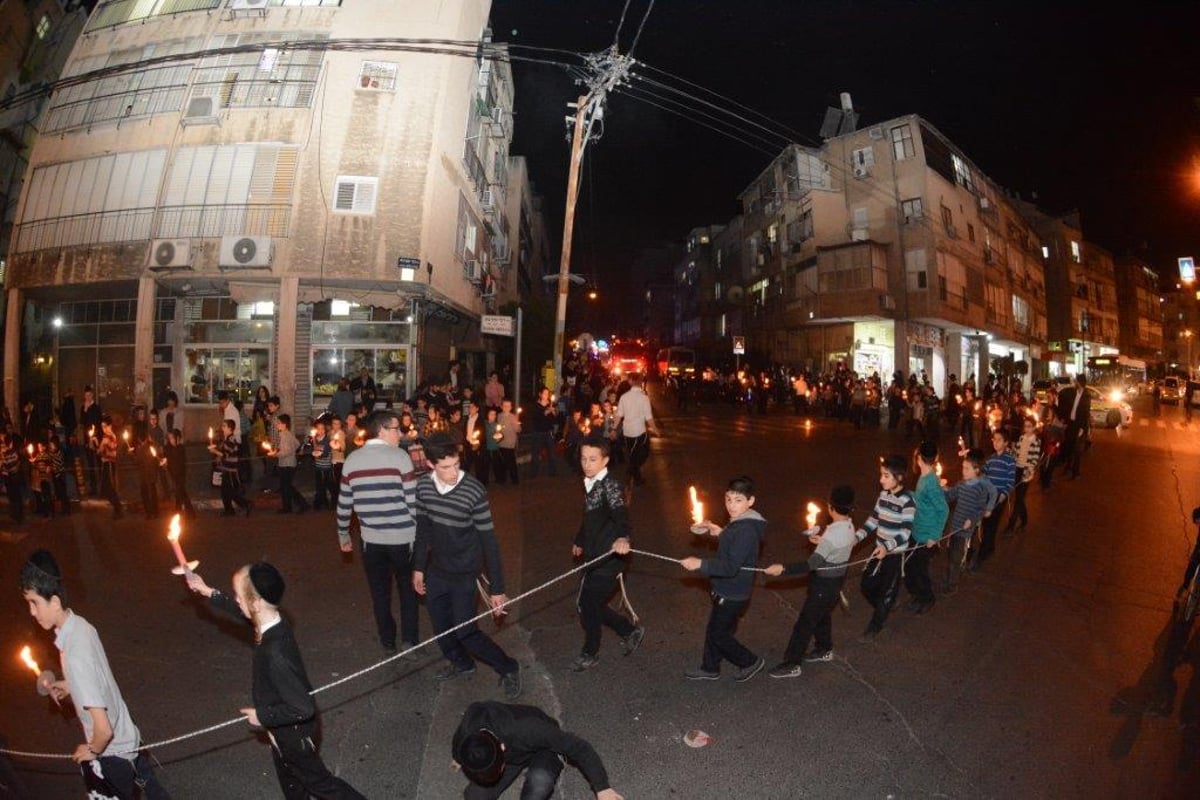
[119, 12]
[227, 220]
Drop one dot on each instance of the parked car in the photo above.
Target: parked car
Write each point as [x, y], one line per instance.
[1172, 390]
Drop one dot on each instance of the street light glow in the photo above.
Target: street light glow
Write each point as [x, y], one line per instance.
[57, 322]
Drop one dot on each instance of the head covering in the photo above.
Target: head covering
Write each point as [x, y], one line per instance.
[267, 581]
[841, 499]
[481, 757]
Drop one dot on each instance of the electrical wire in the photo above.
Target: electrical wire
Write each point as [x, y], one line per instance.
[620, 24]
[699, 116]
[634, 95]
[638, 36]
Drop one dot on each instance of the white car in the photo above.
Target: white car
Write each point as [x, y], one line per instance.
[1109, 410]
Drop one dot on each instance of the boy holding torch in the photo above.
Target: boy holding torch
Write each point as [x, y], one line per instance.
[112, 739]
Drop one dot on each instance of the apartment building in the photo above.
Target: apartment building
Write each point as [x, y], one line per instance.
[235, 193]
[888, 250]
[1139, 310]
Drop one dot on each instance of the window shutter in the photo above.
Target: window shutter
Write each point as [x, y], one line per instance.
[345, 196]
[364, 198]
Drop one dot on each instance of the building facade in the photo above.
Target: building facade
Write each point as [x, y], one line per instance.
[232, 193]
[1139, 311]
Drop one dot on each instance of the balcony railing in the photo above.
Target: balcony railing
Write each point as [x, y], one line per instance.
[119, 12]
[79, 229]
[231, 220]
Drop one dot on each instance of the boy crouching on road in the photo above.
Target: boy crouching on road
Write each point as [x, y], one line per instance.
[282, 695]
[731, 585]
[827, 565]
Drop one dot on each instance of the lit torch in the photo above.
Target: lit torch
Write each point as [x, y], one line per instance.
[210, 434]
[185, 566]
[697, 512]
[29, 450]
[44, 676]
[810, 518]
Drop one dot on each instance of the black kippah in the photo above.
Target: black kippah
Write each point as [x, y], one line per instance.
[481, 757]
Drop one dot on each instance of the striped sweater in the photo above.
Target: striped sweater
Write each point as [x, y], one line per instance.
[892, 520]
[379, 485]
[455, 533]
[1001, 470]
[972, 498]
[1028, 452]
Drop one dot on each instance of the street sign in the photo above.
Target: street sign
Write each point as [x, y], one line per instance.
[739, 345]
[496, 325]
[1187, 269]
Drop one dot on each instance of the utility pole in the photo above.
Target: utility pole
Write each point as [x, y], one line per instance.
[607, 71]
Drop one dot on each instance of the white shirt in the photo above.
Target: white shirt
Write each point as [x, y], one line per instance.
[1075, 405]
[588, 483]
[634, 410]
[85, 668]
[264, 628]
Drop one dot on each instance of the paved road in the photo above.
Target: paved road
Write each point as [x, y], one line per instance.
[1055, 672]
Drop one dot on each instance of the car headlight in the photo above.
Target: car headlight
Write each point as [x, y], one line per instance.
[1116, 396]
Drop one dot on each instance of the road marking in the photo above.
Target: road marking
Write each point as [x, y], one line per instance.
[1158, 423]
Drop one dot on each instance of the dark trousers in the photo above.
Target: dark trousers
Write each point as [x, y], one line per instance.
[483, 465]
[60, 493]
[880, 585]
[638, 448]
[1072, 448]
[124, 775]
[183, 502]
[960, 547]
[594, 592]
[383, 565]
[91, 469]
[15, 489]
[44, 498]
[719, 642]
[231, 492]
[451, 601]
[816, 618]
[325, 490]
[988, 530]
[148, 484]
[542, 442]
[504, 462]
[287, 490]
[108, 486]
[916, 575]
[543, 770]
[301, 772]
[1019, 515]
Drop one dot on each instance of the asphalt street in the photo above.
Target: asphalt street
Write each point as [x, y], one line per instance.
[1056, 671]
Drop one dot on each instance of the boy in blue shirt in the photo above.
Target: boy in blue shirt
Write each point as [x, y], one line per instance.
[1001, 470]
[973, 497]
[731, 585]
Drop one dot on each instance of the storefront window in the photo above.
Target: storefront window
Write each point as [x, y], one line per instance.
[387, 365]
[230, 348]
[239, 371]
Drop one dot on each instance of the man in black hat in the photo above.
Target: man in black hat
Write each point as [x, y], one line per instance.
[496, 742]
[282, 694]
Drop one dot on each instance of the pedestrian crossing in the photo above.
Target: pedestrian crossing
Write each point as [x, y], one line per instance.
[1178, 425]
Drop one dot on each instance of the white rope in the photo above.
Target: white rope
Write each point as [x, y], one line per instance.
[339, 681]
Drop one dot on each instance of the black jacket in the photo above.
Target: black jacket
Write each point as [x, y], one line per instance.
[527, 731]
[738, 548]
[1066, 399]
[604, 521]
[280, 689]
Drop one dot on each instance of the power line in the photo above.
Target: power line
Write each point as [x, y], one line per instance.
[621, 24]
[699, 117]
[645, 17]
[636, 95]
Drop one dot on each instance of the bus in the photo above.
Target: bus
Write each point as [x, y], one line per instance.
[1116, 372]
[673, 362]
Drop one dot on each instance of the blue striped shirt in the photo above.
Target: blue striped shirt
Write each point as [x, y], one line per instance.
[1001, 470]
[892, 520]
[379, 485]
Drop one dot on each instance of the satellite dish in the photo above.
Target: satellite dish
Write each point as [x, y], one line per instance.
[244, 250]
[735, 294]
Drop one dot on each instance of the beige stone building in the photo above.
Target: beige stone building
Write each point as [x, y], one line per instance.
[250, 196]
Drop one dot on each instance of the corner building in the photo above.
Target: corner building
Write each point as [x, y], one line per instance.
[256, 198]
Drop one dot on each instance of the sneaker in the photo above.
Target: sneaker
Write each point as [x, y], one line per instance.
[701, 675]
[511, 683]
[868, 636]
[633, 640]
[584, 662]
[405, 646]
[786, 669]
[818, 655]
[746, 673]
[450, 672]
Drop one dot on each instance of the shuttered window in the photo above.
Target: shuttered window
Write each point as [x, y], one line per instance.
[355, 195]
[243, 189]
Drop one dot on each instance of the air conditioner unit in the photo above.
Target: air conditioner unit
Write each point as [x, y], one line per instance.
[858, 235]
[876, 132]
[487, 200]
[199, 108]
[887, 302]
[247, 5]
[861, 172]
[170, 254]
[985, 204]
[245, 252]
[471, 270]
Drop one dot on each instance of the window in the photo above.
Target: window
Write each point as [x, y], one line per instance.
[355, 195]
[1076, 255]
[278, 77]
[970, 233]
[118, 12]
[773, 233]
[863, 158]
[717, 290]
[962, 173]
[1020, 313]
[917, 266]
[43, 27]
[912, 209]
[902, 143]
[228, 190]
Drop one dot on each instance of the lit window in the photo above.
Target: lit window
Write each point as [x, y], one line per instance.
[1045, 251]
[1076, 254]
[265, 308]
[902, 143]
[339, 308]
[43, 27]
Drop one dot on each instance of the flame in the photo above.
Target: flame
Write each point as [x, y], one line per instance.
[30, 449]
[153, 452]
[125, 436]
[811, 517]
[210, 433]
[27, 657]
[697, 506]
[266, 445]
[175, 529]
[312, 433]
[937, 469]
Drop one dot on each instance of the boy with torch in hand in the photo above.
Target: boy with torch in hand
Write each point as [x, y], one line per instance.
[827, 567]
[281, 692]
[112, 739]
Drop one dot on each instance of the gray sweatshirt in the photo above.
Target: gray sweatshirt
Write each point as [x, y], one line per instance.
[832, 553]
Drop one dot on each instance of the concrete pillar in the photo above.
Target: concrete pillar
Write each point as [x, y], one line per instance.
[983, 362]
[143, 342]
[12, 351]
[899, 350]
[954, 358]
[284, 375]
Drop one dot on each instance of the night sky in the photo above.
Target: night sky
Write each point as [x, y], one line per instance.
[1089, 109]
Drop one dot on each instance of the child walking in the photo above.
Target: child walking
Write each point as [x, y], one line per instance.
[325, 490]
[891, 522]
[973, 497]
[286, 452]
[827, 567]
[928, 525]
[281, 691]
[731, 584]
[175, 461]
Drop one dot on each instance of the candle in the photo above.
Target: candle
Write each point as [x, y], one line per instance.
[551, 398]
[266, 446]
[27, 657]
[312, 433]
[811, 517]
[185, 566]
[210, 434]
[697, 506]
[937, 469]
[92, 432]
[153, 452]
[30, 450]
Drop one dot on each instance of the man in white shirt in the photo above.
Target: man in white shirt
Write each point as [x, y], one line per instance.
[637, 420]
